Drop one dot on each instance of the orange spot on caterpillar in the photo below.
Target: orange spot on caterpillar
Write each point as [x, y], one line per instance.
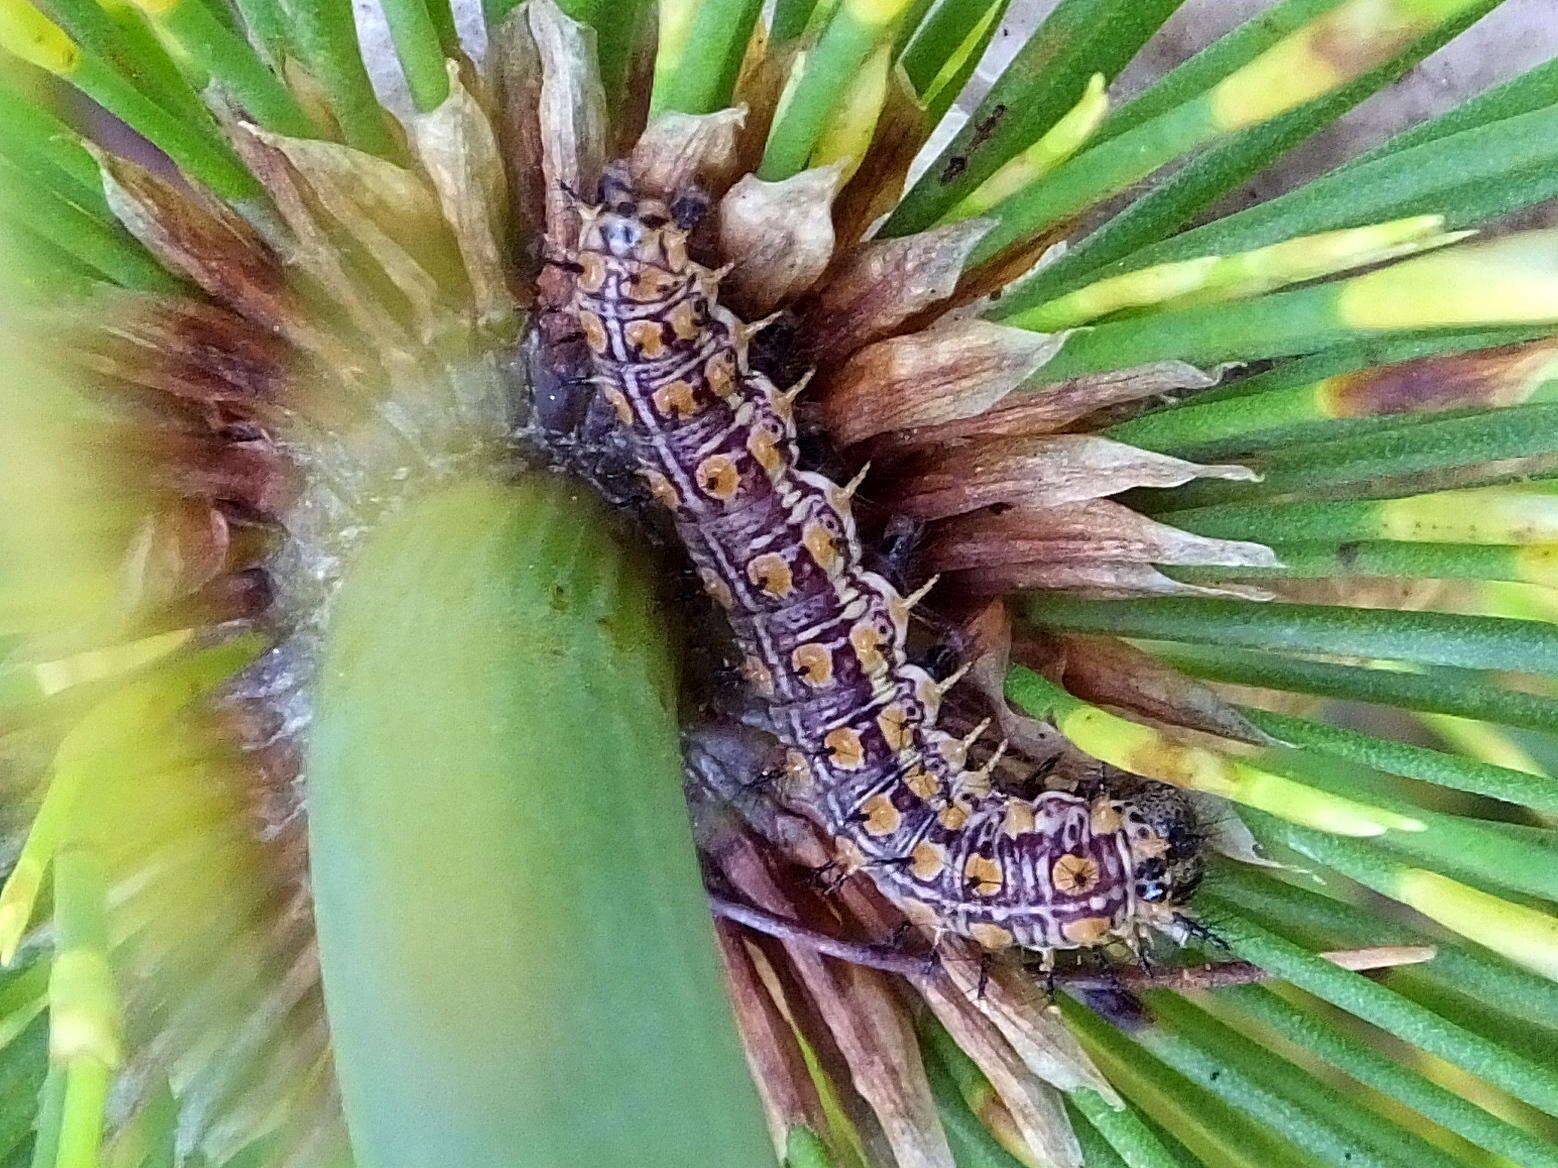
[1074, 875]
[770, 573]
[718, 477]
[813, 662]
[844, 748]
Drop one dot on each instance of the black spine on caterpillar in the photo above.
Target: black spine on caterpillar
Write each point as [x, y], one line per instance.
[823, 637]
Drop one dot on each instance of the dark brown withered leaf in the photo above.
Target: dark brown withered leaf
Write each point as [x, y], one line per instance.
[878, 286]
[1048, 409]
[199, 238]
[952, 370]
[680, 152]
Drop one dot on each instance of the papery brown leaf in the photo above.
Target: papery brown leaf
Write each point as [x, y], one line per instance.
[1016, 262]
[679, 152]
[1096, 529]
[180, 346]
[1010, 998]
[877, 286]
[1039, 472]
[574, 129]
[178, 549]
[777, 235]
[1048, 409]
[380, 205]
[877, 185]
[460, 153]
[864, 1016]
[990, 630]
[1113, 581]
[952, 370]
[1504, 376]
[778, 1067]
[316, 253]
[310, 95]
[1035, 1106]
[253, 475]
[197, 236]
[761, 81]
[1109, 672]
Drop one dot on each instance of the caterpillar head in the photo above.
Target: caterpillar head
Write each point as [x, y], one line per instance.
[633, 226]
[1167, 839]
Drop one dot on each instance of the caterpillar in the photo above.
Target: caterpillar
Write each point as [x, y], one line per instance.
[823, 638]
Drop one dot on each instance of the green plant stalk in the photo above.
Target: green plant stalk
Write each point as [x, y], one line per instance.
[1521, 788]
[419, 46]
[1423, 445]
[442, 14]
[1179, 197]
[1532, 90]
[51, 1107]
[115, 32]
[1368, 1066]
[189, 138]
[268, 26]
[619, 25]
[47, 151]
[229, 59]
[1097, 1152]
[496, 795]
[1387, 560]
[1276, 1093]
[1219, 279]
[702, 43]
[937, 38]
[1433, 638]
[855, 30]
[324, 34]
[1077, 39]
[84, 1035]
[1477, 174]
[199, 153]
[805, 1149]
[1369, 352]
[1438, 694]
[24, 1067]
[1150, 752]
[1295, 70]
[1536, 1085]
[1284, 324]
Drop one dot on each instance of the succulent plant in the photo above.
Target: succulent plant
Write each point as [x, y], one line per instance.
[354, 704]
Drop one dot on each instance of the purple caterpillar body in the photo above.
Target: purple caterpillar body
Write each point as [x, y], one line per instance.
[823, 638]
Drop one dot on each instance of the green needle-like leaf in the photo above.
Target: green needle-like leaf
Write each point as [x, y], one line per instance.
[1433, 638]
